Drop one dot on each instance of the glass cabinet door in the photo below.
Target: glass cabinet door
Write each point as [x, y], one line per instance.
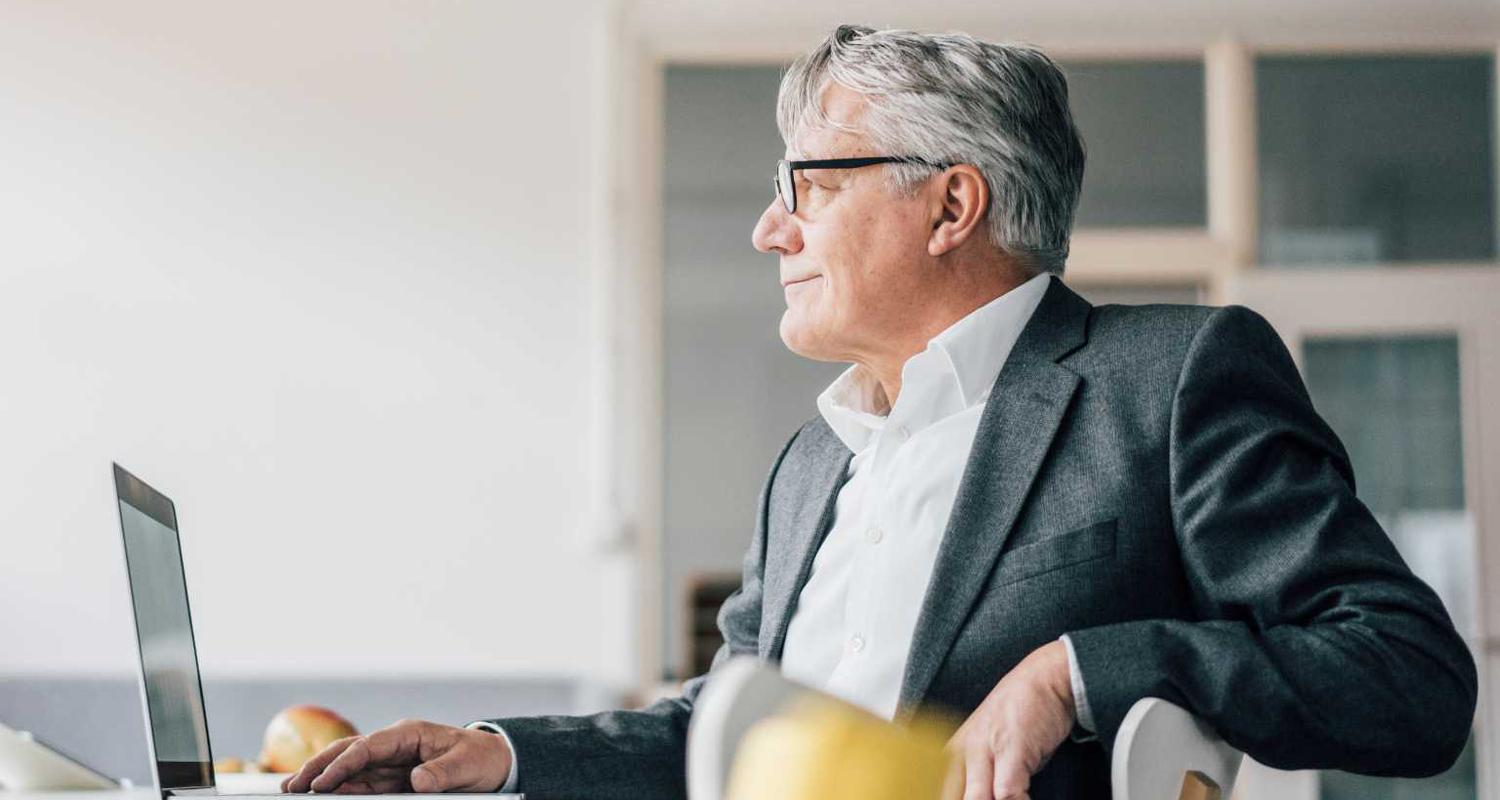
[1376, 159]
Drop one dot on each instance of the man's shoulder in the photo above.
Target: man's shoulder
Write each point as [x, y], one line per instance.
[1161, 335]
[1163, 328]
[1130, 325]
[1135, 346]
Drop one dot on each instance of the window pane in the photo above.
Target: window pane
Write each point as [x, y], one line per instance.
[1395, 404]
[1376, 159]
[1142, 124]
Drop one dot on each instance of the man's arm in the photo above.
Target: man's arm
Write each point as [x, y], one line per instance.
[630, 754]
[1316, 646]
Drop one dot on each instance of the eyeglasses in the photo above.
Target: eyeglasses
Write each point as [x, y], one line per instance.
[786, 183]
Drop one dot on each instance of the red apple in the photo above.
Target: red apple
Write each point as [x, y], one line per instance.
[297, 734]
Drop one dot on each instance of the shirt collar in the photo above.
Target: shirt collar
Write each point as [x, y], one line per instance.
[979, 344]
[971, 352]
[851, 406]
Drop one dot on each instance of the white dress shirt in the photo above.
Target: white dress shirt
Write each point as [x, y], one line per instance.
[852, 629]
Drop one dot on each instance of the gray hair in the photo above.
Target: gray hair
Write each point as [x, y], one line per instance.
[954, 99]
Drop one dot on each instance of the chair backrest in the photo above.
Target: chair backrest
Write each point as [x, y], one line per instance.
[742, 692]
[1162, 751]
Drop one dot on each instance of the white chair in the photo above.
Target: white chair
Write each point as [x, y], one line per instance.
[741, 693]
[1162, 752]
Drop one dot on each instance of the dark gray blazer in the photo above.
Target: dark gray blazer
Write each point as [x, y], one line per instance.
[1154, 482]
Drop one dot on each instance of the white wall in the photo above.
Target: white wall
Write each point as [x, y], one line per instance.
[322, 273]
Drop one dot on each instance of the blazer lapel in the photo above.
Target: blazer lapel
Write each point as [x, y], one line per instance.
[816, 478]
[1028, 402]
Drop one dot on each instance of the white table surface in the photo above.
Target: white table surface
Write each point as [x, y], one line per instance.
[149, 794]
[102, 794]
[269, 784]
[228, 783]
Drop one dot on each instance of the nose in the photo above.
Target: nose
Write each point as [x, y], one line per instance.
[776, 231]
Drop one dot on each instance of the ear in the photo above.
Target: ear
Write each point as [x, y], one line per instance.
[960, 199]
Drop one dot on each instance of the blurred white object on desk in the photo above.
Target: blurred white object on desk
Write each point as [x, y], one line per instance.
[28, 764]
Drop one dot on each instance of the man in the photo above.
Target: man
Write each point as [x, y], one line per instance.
[1014, 505]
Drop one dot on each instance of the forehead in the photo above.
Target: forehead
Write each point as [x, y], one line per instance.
[842, 137]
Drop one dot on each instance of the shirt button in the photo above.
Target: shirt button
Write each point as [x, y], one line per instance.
[875, 535]
[856, 644]
[902, 432]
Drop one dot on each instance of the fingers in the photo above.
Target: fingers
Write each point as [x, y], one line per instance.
[984, 772]
[301, 780]
[376, 780]
[953, 783]
[979, 775]
[458, 768]
[1012, 778]
[429, 779]
[360, 784]
[983, 775]
[367, 783]
[410, 755]
[394, 746]
[441, 773]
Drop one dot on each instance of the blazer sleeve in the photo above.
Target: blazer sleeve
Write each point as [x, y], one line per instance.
[633, 754]
[1314, 645]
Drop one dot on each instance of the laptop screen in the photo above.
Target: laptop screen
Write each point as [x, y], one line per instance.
[163, 626]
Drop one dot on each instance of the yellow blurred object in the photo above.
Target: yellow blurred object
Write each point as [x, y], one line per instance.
[827, 750]
[297, 734]
[229, 765]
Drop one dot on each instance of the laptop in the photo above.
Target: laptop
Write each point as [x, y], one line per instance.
[171, 690]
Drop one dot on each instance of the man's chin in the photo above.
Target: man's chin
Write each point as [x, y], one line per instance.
[804, 342]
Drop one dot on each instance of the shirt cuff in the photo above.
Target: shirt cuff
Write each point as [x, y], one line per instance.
[1082, 714]
[515, 761]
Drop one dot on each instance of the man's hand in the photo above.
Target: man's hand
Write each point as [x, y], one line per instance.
[410, 756]
[1017, 728]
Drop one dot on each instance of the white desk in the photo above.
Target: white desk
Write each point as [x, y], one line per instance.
[229, 784]
[148, 794]
[102, 794]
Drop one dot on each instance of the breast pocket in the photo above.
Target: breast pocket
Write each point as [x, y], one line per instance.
[1055, 552]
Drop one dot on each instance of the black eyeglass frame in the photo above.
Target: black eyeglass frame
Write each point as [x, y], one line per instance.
[786, 182]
